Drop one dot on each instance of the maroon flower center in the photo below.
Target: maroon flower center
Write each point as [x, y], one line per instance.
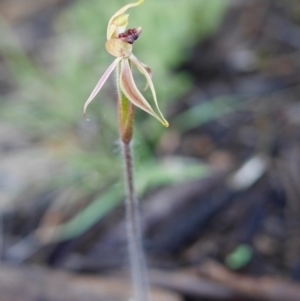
[130, 35]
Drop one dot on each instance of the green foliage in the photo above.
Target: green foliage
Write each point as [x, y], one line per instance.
[207, 111]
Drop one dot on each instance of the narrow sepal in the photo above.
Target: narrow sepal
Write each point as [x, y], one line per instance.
[131, 91]
[144, 71]
[148, 69]
[101, 83]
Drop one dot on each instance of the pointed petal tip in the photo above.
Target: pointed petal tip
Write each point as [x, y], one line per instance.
[84, 111]
[84, 116]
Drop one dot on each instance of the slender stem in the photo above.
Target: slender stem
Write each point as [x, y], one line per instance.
[137, 259]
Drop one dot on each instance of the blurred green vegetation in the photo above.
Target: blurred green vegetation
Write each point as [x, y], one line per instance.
[48, 97]
[239, 257]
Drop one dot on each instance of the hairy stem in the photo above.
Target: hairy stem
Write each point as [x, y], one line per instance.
[137, 259]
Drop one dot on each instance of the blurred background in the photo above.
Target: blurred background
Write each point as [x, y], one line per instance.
[219, 189]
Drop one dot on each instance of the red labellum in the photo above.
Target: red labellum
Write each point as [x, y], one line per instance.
[130, 35]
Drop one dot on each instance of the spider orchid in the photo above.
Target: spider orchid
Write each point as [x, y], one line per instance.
[119, 44]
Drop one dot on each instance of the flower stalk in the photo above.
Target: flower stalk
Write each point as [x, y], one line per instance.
[119, 44]
[136, 254]
[135, 249]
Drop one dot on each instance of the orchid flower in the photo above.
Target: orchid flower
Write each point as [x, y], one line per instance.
[119, 44]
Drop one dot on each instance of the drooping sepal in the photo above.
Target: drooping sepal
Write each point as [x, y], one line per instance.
[146, 71]
[100, 83]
